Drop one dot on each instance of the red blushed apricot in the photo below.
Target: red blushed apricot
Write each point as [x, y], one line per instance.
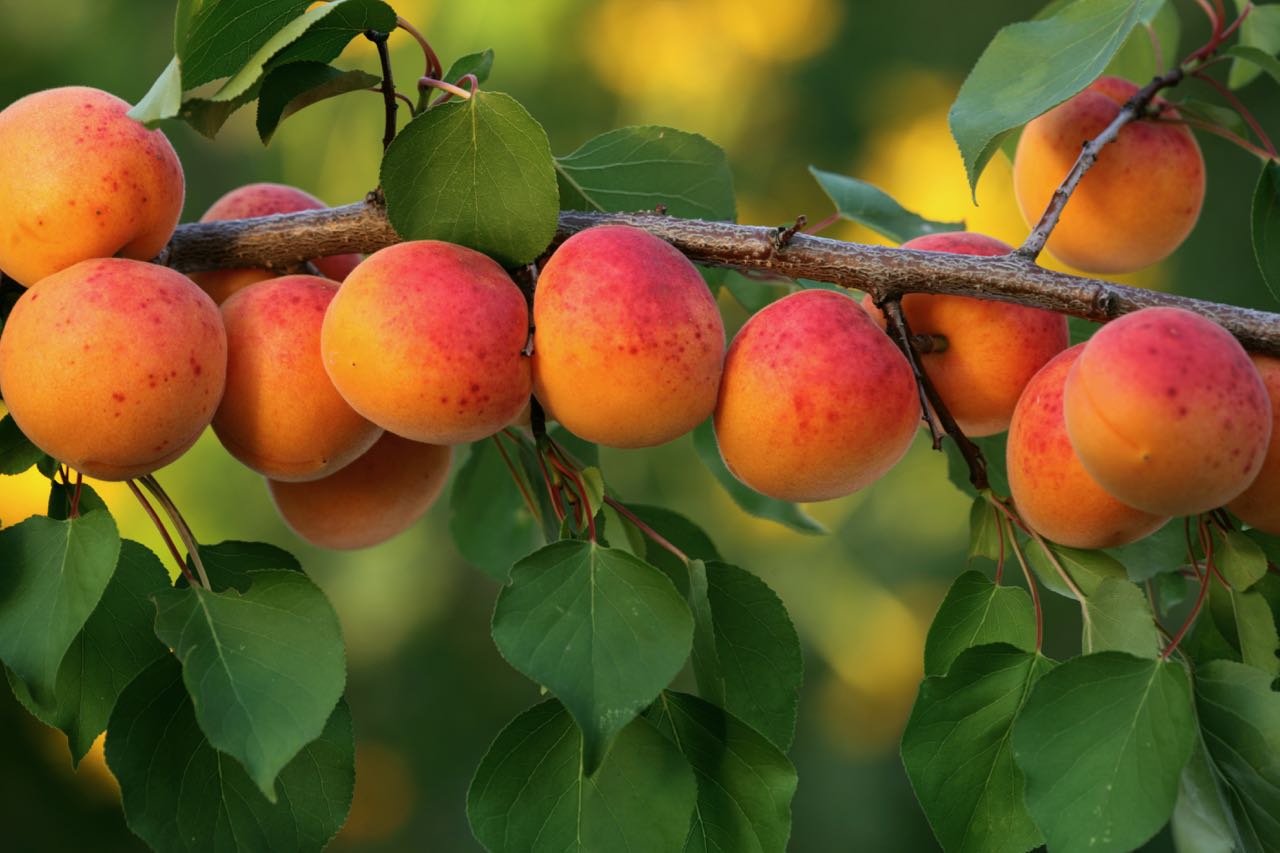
[113, 366]
[1051, 489]
[992, 348]
[264, 200]
[629, 342]
[816, 402]
[79, 179]
[1259, 505]
[1139, 201]
[281, 415]
[425, 339]
[380, 495]
[1167, 412]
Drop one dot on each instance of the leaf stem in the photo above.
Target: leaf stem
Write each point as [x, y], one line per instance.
[658, 538]
[1035, 592]
[179, 523]
[519, 480]
[429, 55]
[449, 89]
[1207, 545]
[164, 533]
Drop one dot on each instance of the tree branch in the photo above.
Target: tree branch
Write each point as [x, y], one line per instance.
[281, 240]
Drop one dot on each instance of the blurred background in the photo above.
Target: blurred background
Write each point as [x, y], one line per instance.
[861, 88]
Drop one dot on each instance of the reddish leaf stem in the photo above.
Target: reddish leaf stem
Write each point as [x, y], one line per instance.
[646, 529]
[164, 533]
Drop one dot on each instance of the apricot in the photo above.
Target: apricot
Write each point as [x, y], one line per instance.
[1259, 505]
[1167, 412]
[425, 339]
[816, 402]
[263, 199]
[1051, 489]
[79, 179]
[380, 495]
[281, 415]
[1139, 201]
[629, 342]
[113, 366]
[990, 350]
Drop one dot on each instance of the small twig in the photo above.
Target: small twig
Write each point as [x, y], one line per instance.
[164, 533]
[785, 232]
[823, 224]
[388, 86]
[400, 96]
[180, 524]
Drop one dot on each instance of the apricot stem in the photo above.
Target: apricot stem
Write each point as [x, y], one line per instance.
[75, 497]
[388, 86]
[164, 533]
[449, 89]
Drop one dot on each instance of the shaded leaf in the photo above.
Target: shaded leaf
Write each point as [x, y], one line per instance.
[17, 453]
[298, 85]
[1087, 569]
[1261, 32]
[1120, 619]
[488, 517]
[1201, 822]
[682, 533]
[233, 564]
[1265, 226]
[976, 612]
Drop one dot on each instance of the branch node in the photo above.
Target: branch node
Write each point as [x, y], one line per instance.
[783, 233]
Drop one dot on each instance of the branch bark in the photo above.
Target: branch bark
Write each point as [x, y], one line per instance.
[279, 241]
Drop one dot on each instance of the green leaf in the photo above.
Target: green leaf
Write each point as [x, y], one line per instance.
[1257, 57]
[745, 783]
[489, 519]
[1261, 32]
[216, 39]
[264, 667]
[751, 501]
[1214, 114]
[60, 497]
[1265, 225]
[1239, 558]
[1102, 742]
[1162, 552]
[993, 448]
[1201, 822]
[530, 795]
[957, 753]
[1032, 66]
[1240, 718]
[1255, 632]
[480, 64]
[17, 453]
[298, 85]
[746, 653]
[1087, 569]
[115, 645]
[1119, 619]
[601, 629]
[753, 294]
[180, 794]
[54, 575]
[986, 530]
[976, 612]
[233, 565]
[164, 98]
[639, 168]
[1136, 59]
[861, 202]
[477, 172]
[682, 533]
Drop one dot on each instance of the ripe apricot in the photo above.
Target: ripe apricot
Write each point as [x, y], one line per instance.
[113, 366]
[1259, 505]
[79, 179]
[425, 339]
[1139, 201]
[816, 402]
[281, 415]
[992, 349]
[380, 495]
[1167, 412]
[263, 199]
[1051, 489]
[629, 342]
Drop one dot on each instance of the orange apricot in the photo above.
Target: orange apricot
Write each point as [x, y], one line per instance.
[1259, 505]
[281, 415]
[629, 342]
[425, 339]
[1167, 412]
[263, 199]
[380, 495]
[79, 179]
[816, 402]
[1051, 489]
[1139, 201]
[113, 366]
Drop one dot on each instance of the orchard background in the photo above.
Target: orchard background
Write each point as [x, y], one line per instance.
[859, 88]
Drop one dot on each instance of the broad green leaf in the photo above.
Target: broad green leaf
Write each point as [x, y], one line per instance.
[746, 653]
[745, 783]
[488, 517]
[1214, 636]
[216, 39]
[1255, 632]
[1261, 32]
[1171, 590]
[751, 501]
[17, 453]
[957, 753]
[993, 449]
[639, 168]
[298, 85]
[1137, 59]
[233, 565]
[207, 116]
[1239, 558]
[116, 644]
[164, 98]
[1162, 552]
[601, 629]
[264, 667]
[530, 795]
[1120, 619]
[976, 612]
[861, 202]
[1201, 822]
[986, 531]
[1260, 59]
[1240, 718]
[477, 172]
[1087, 569]
[181, 795]
[1032, 66]
[680, 532]
[1265, 226]
[480, 64]
[1102, 742]
[61, 495]
[54, 575]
